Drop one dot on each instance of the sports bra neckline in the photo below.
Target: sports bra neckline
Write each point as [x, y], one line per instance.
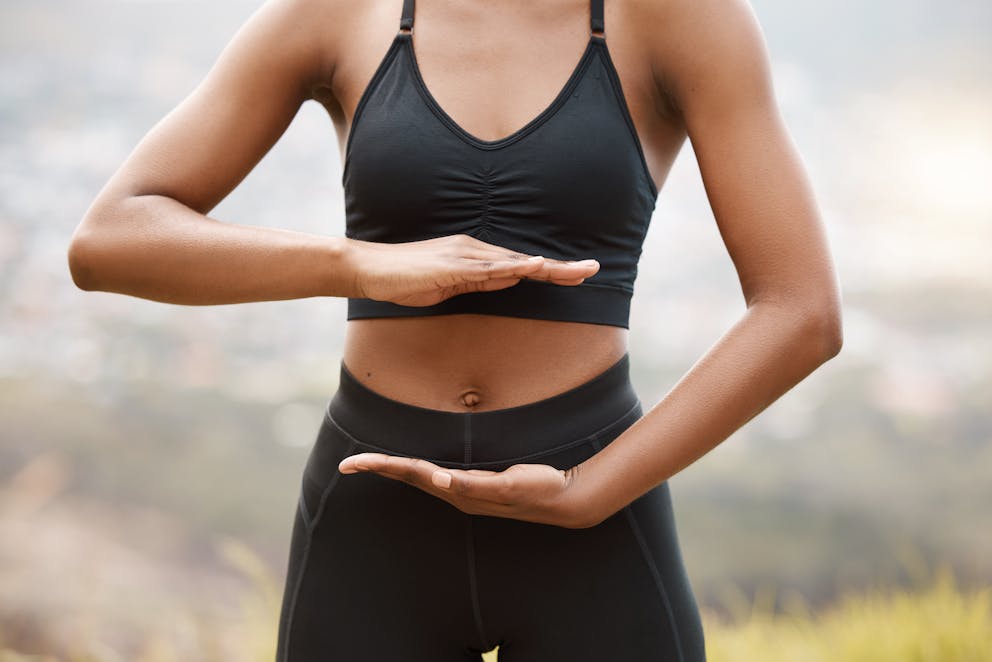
[406, 39]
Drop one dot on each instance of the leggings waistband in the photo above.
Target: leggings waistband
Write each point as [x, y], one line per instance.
[571, 417]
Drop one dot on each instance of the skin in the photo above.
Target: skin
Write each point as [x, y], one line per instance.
[696, 70]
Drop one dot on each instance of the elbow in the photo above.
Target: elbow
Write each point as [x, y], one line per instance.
[826, 328]
[815, 328]
[817, 321]
[87, 248]
[80, 256]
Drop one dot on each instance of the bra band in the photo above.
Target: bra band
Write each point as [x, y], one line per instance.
[596, 22]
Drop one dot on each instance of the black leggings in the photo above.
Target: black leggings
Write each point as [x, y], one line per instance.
[380, 570]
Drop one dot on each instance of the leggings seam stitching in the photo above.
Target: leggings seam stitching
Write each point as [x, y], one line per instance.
[296, 594]
[304, 512]
[327, 490]
[571, 444]
[655, 573]
[304, 561]
[474, 587]
[473, 581]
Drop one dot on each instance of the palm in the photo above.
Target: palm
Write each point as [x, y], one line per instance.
[529, 492]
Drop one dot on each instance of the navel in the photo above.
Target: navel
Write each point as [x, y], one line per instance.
[470, 398]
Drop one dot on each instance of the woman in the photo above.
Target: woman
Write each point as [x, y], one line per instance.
[485, 474]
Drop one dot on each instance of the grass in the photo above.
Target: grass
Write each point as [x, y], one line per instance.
[937, 621]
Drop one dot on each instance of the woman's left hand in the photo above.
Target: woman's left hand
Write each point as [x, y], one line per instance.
[530, 492]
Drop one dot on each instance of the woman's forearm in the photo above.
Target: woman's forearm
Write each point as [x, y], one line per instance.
[154, 247]
[767, 352]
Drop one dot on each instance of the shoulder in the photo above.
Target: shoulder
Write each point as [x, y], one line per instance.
[700, 51]
[693, 25]
[313, 33]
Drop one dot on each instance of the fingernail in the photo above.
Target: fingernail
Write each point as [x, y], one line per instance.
[441, 479]
[585, 263]
[535, 258]
[360, 466]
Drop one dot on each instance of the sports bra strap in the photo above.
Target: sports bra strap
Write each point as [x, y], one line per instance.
[406, 22]
[596, 16]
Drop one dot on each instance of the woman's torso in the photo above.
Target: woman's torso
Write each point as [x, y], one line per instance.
[471, 362]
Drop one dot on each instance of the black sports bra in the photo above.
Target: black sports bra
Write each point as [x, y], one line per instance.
[570, 184]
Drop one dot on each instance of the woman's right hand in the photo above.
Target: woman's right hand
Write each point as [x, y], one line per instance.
[423, 273]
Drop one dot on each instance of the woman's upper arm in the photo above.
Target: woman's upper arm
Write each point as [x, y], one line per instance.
[209, 143]
[717, 67]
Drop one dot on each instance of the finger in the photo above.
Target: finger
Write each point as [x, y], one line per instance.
[354, 463]
[571, 281]
[489, 285]
[491, 488]
[493, 252]
[562, 273]
[500, 253]
[489, 269]
[358, 462]
[414, 470]
[404, 468]
[501, 283]
[418, 472]
[565, 271]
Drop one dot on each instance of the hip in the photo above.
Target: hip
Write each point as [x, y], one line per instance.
[372, 554]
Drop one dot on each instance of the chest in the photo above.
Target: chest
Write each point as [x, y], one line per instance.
[575, 168]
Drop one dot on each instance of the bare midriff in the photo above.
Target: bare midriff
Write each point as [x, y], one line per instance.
[473, 363]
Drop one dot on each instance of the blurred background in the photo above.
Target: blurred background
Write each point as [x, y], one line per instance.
[150, 454]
